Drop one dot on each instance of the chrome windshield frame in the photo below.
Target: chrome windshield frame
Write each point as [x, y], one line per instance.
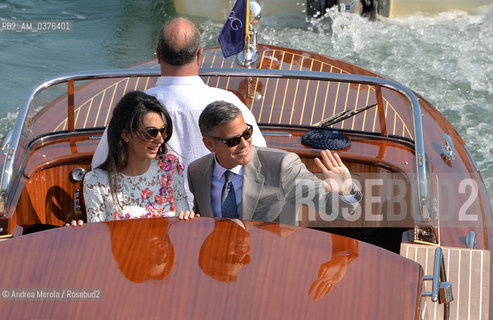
[422, 166]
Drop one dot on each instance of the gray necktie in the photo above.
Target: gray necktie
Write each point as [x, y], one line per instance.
[228, 197]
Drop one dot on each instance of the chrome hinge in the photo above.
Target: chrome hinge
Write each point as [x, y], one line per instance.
[448, 149]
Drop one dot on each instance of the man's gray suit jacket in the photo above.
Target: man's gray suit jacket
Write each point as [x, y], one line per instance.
[275, 183]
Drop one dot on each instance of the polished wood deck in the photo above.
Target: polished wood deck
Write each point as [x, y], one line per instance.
[272, 101]
[468, 269]
[149, 268]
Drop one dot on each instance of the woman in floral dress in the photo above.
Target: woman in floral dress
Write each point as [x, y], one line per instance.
[139, 179]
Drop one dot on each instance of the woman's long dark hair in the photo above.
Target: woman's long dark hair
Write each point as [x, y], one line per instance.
[129, 114]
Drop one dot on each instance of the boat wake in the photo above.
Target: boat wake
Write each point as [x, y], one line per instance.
[444, 57]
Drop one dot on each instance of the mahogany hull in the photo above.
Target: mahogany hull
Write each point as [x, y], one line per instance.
[205, 268]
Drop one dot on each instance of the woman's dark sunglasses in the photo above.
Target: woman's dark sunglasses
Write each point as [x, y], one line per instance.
[151, 132]
[231, 142]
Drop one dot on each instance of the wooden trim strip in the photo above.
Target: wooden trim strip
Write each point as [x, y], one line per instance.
[327, 93]
[99, 108]
[255, 89]
[306, 94]
[110, 104]
[212, 63]
[137, 83]
[147, 83]
[348, 88]
[265, 90]
[70, 106]
[366, 103]
[277, 84]
[316, 96]
[336, 98]
[88, 112]
[286, 90]
[77, 113]
[356, 106]
[296, 92]
[381, 111]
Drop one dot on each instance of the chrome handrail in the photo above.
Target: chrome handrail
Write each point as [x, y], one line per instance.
[423, 187]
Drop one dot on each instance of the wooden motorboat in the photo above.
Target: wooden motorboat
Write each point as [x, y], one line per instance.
[418, 247]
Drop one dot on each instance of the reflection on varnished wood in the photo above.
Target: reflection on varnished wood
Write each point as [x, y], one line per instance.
[344, 250]
[49, 196]
[145, 251]
[227, 248]
[274, 285]
[57, 201]
[225, 251]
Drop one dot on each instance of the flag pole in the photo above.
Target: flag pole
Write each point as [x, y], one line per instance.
[247, 20]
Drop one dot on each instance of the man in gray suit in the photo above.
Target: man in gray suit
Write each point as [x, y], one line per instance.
[238, 180]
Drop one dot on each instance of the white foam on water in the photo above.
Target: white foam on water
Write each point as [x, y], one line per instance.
[447, 58]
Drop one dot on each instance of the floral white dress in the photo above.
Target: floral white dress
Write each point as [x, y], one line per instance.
[159, 192]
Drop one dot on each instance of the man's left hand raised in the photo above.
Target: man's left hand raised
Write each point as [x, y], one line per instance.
[336, 175]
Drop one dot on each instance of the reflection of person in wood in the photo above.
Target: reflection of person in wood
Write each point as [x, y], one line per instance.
[227, 248]
[143, 249]
[225, 251]
[344, 250]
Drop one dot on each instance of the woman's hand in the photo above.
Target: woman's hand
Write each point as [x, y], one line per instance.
[183, 215]
[74, 223]
[187, 215]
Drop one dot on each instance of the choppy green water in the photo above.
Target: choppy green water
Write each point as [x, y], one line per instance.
[447, 58]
